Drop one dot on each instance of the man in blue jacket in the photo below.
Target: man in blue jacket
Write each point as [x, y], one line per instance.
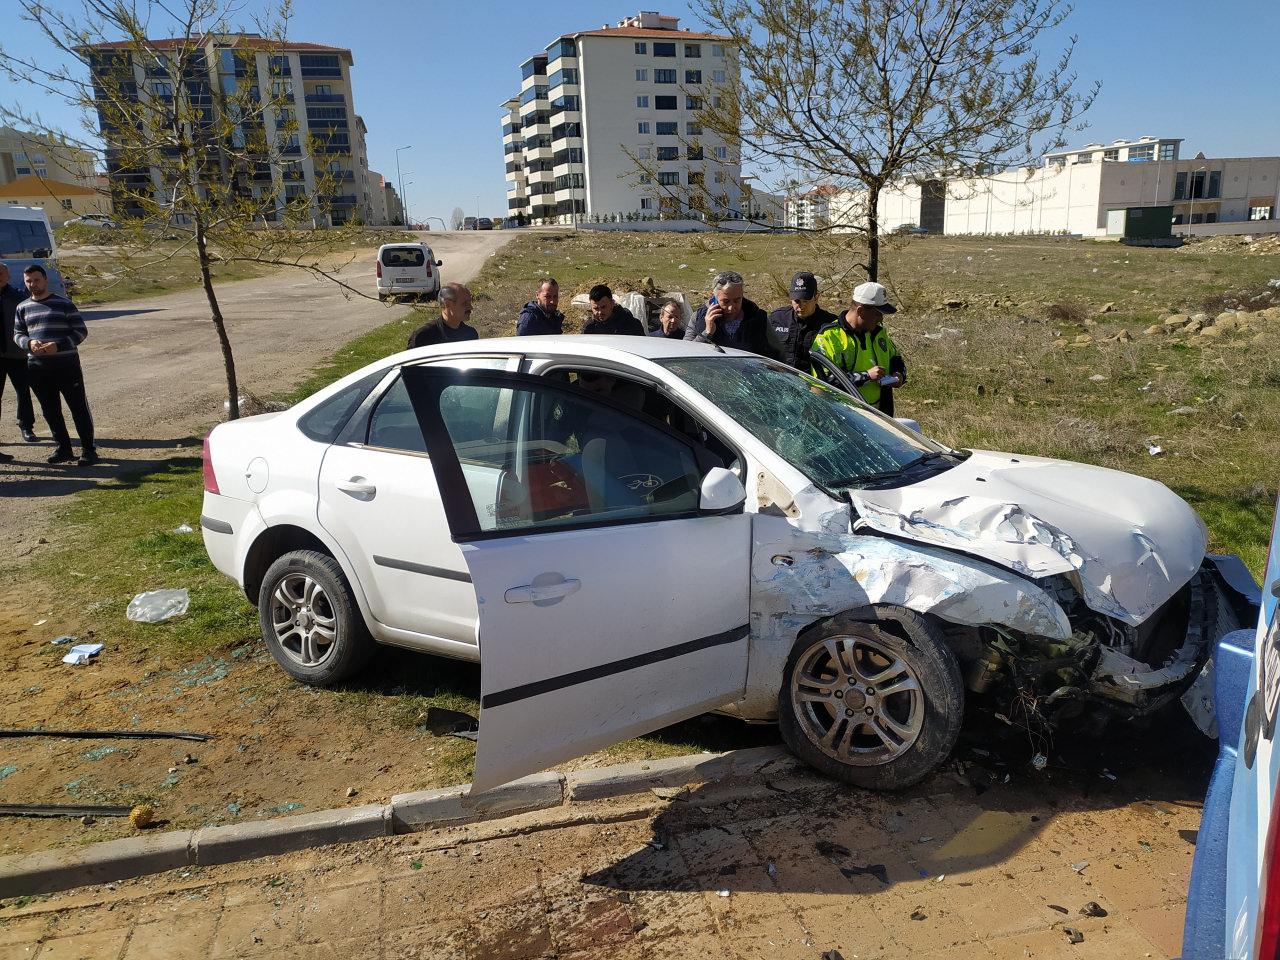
[729, 319]
[540, 316]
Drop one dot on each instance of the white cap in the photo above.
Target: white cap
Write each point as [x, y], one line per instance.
[872, 294]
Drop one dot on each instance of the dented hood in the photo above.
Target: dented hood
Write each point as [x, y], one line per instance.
[1128, 543]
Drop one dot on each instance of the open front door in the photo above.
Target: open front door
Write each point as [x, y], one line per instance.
[608, 605]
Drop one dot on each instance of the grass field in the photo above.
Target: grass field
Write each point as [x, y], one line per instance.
[1003, 370]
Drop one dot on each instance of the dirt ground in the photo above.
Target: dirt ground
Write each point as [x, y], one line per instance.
[154, 375]
[782, 866]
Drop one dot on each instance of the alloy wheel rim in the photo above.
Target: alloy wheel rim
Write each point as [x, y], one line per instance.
[303, 619]
[858, 701]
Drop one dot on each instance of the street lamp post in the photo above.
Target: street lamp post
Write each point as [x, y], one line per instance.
[400, 182]
[404, 201]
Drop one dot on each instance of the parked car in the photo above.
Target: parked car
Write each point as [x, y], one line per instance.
[408, 269]
[629, 531]
[469, 223]
[1233, 905]
[93, 220]
[484, 223]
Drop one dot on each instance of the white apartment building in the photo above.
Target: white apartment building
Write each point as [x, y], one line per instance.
[593, 96]
[809, 210]
[25, 154]
[316, 78]
[1080, 192]
[375, 188]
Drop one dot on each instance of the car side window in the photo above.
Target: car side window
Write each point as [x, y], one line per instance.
[392, 425]
[324, 422]
[572, 460]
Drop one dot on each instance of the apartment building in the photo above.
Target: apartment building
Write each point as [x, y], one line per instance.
[1080, 191]
[25, 154]
[316, 80]
[606, 125]
[810, 209]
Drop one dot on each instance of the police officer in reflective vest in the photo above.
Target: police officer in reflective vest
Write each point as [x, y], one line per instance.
[861, 347]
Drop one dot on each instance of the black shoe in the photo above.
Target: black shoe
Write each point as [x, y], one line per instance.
[61, 455]
[88, 458]
[29, 435]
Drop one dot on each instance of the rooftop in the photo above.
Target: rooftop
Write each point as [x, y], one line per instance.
[247, 40]
[30, 186]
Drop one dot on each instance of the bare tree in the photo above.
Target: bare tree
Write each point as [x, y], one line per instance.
[457, 218]
[865, 95]
[194, 148]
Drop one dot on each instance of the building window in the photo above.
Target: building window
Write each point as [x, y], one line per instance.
[722, 153]
[322, 90]
[642, 48]
[666, 103]
[22, 172]
[1142, 154]
[693, 50]
[1110, 154]
[646, 203]
[646, 153]
[668, 153]
[564, 49]
[1167, 151]
[693, 103]
[664, 76]
[1084, 158]
[66, 204]
[717, 49]
[718, 76]
[1180, 187]
[693, 76]
[162, 88]
[642, 126]
[693, 128]
[668, 128]
[669, 179]
[642, 75]
[1215, 184]
[1261, 212]
[664, 49]
[696, 178]
[642, 102]
[695, 153]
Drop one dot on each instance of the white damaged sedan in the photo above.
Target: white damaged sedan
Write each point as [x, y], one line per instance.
[629, 531]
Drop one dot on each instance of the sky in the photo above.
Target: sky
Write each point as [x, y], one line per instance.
[431, 75]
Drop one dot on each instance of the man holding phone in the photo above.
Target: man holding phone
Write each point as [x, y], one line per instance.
[729, 319]
[859, 345]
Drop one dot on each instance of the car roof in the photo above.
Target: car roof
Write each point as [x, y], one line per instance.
[616, 348]
[406, 243]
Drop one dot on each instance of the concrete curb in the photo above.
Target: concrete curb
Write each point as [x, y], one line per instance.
[50, 871]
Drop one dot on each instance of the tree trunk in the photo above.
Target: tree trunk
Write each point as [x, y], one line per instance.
[228, 359]
[873, 234]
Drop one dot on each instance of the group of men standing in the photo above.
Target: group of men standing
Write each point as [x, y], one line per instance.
[855, 342]
[41, 332]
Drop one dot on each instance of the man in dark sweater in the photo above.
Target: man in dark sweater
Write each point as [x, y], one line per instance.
[13, 361]
[609, 318]
[729, 319]
[49, 328]
[540, 316]
[451, 326]
[792, 329]
[670, 322]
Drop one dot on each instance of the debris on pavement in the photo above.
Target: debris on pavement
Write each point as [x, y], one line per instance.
[1155, 449]
[82, 653]
[877, 870]
[666, 793]
[154, 606]
[60, 810]
[451, 723]
[919, 915]
[1074, 935]
[184, 528]
[109, 734]
[351, 792]
[1092, 909]
[142, 816]
[832, 850]
[1080, 866]
[65, 639]
[722, 893]
[1039, 761]
[833, 955]
[1061, 909]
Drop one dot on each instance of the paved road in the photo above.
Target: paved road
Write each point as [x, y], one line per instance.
[788, 867]
[153, 369]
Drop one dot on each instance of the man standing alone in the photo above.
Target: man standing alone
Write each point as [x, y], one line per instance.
[13, 361]
[49, 328]
[451, 326]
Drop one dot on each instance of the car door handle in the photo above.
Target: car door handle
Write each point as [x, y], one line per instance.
[357, 487]
[529, 593]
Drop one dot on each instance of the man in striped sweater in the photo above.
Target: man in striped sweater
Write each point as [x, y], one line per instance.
[49, 327]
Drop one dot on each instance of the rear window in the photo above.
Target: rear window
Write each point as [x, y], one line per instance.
[323, 423]
[403, 257]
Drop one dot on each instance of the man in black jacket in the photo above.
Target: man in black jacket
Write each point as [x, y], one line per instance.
[609, 318]
[451, 326]
[792, 329]
[729, 319]
[540, 316]
[13, 359]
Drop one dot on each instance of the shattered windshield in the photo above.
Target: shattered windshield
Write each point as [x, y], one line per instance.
[831, 438]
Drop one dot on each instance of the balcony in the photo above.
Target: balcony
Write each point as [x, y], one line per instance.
[325, 98]
[343, 200]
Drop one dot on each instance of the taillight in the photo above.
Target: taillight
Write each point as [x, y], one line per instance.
[1266, 940]
[428, 269]
[210, 481]
[379, 263]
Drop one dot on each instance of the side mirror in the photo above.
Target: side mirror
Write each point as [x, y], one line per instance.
[722, 492]
[439, 263]
[908, 423]
[41, 253]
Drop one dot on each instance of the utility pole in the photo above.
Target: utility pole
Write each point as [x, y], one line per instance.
[400, 184]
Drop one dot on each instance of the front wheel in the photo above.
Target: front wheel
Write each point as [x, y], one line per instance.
[875, 702]
[310, 621]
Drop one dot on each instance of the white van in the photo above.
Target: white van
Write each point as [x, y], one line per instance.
[408, 268]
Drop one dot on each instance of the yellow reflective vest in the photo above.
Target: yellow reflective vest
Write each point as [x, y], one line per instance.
[858, 352]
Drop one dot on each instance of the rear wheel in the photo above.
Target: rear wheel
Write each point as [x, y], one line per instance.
[875, 702]
[310, 620]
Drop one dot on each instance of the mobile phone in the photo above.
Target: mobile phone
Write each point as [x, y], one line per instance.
[713, 301]
[892, 380]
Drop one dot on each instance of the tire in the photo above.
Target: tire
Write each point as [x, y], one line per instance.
[879, 744]
[326, 640]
